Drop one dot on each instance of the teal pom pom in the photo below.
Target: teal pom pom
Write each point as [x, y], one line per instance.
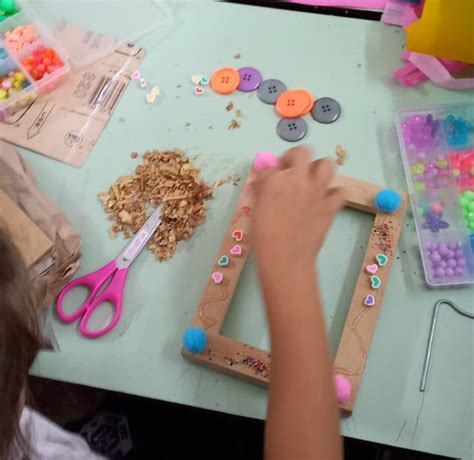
[195, 339]
[387, 200]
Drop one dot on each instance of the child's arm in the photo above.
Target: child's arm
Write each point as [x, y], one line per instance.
[294, 210]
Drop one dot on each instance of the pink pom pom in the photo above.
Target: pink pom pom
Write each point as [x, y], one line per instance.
[343, 388]
[265, 160]
[437, 207]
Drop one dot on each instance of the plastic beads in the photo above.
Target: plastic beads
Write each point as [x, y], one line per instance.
[462, 164]
[43, 61]
[457, 130]
[387, 200]
[7, 8]
[420, 132]
[13, 82]
[430, 174]
[20, 37]
[466, 199]
[446, 260]
[195, 340]
[433, 221]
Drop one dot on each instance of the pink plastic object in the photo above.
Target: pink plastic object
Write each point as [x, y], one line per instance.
[343, 388]
[112, 294]
[265, 160]
[359, 4]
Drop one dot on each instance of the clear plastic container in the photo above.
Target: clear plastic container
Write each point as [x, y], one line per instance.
[437, 145]
[80, 32]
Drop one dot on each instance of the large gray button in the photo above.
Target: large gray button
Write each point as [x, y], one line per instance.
[326, 110]
[269, 90]
[292, 129]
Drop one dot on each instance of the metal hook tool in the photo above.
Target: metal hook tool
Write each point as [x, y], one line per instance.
[434, 320]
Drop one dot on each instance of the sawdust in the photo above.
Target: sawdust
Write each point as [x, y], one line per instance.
[341, 155]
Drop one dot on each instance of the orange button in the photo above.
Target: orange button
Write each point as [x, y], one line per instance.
[225, 80]
[294, 103]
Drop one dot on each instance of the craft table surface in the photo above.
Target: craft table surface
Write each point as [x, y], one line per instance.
[348, 59]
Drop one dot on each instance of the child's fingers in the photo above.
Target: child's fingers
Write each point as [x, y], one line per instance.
[322, 172]
[295, 157]
[334, 200]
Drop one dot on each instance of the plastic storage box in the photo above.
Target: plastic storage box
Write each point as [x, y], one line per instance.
[79, 32]
[437, 145]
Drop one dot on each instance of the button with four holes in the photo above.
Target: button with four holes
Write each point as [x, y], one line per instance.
[269, 90]
[326, 110]
[250, 79]
[294, 103]
[292, 129]
[225, 80]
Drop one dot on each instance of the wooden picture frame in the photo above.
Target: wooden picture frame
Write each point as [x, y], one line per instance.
[253, 364]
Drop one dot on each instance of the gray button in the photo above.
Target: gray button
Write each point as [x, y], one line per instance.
[326, 110]
[292, 129]
[269, 90]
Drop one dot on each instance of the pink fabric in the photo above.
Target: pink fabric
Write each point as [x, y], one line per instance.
[362, 4]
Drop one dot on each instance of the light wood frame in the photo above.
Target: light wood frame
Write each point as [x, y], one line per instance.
[253, 364]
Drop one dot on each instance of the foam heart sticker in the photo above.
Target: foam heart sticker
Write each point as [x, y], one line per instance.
[238, 235]
[196, 79]
[372, 268]
[381, 259]
[217, 277]
[204, 81]
[198, 90]
[369, 301]
[136, 75]
[236, 250]
[223, 261]
[375, 282]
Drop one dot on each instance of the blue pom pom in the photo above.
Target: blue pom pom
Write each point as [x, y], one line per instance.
[195, 339]
[387, 200]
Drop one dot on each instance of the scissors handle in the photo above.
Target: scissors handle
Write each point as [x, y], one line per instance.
[112, 294]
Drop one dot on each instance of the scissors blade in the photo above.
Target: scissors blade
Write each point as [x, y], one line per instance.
[127, 256]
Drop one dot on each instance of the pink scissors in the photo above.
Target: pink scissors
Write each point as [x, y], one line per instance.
[115, 273]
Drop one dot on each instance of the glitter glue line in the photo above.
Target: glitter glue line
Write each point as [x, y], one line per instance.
[354, 330]
[209, 321]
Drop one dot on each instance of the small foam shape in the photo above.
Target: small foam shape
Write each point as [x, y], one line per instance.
[143, 83]
[387, 200]
[155, 91]
[381, 259]
[217, 277]
[369, 301]
[136, 75]
[375, 282]
[372, 268]
[204, 81]
[150, 98]
[198, 91]
[223, 261]
[343, 388]
[236, 250]
[265, 160]
[196, 79]
[195, 339]
[238, 235]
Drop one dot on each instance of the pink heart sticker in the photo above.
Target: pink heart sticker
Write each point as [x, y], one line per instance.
[238, 235]
[198, 90]
[236, 250]
[217, 277]
[369, 301]
[372, 268]
[136, 75]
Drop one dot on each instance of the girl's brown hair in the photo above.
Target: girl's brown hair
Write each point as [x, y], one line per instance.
[19, 344]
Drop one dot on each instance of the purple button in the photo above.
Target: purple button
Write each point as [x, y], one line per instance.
[250, 79]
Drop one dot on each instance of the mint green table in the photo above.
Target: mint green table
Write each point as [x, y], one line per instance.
[347, 59]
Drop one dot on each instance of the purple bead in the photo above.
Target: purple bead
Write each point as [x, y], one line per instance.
[443, 264]
[421, 155]
[459, 271]
[440, 273]
[453, 245]
[451, 263]
[459, 254]
[443, 249]
[449, 254]
[449, 272]
[435, 257]
[461, 263]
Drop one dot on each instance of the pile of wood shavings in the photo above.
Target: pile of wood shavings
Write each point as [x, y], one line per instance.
[340, 155]
[167, 177]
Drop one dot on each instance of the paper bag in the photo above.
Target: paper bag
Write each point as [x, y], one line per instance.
[53, 270]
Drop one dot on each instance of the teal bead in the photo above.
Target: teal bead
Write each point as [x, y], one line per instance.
[8, 6]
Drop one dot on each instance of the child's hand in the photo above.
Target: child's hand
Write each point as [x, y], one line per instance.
[294, 208]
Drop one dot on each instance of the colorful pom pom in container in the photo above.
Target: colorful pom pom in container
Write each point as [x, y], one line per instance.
[437, 145]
